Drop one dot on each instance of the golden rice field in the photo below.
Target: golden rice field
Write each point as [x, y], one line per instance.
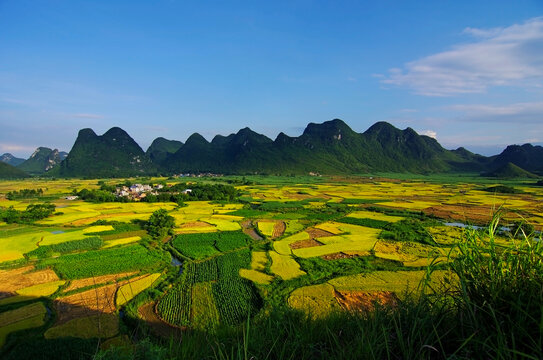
[128, 291]
[33, 292]
[256, 276]
[284, 266]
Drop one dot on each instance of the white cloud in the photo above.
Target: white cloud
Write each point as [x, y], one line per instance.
[430, 133]
[15, 148]
[87, 116]
[528, 112]
[510, 56]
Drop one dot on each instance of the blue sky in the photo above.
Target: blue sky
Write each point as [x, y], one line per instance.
[469, 73]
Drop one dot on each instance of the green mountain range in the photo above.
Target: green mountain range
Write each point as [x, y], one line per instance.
[11, 160]
[11, 172]
[527, 157]
[113, 154]
[331, 147]
[42, 160]
[510, 171]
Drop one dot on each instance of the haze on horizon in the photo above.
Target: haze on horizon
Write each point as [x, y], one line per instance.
[468, 73]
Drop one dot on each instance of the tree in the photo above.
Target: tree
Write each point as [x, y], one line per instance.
[160, 224]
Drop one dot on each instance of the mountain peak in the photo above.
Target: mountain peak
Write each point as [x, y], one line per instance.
[196, 139]
[85, 133]
[115, 133]
[10, 159]
[42, 160]
[335, 129]
[381, 127]
[113, 154]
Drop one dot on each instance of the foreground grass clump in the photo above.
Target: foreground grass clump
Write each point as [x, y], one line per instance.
[501, 295]
[494, 311]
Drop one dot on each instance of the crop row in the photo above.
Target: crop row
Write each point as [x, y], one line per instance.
[233, 297]
[202, 245]
[110, 261]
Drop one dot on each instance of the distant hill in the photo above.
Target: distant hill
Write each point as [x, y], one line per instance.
[42, 160]
[160, 148]
[113, 154]
[510, 171]
[527, 157]
[11, 160]
[330, 147]
[11, 172]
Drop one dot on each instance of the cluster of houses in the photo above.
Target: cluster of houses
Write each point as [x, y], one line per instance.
[137, 191]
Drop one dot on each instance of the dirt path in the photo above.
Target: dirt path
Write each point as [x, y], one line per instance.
[157, 326]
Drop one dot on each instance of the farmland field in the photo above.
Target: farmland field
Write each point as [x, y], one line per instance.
[329, 245]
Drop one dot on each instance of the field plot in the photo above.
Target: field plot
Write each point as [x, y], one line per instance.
[354, 239]
[15, 242]
[204, 310]
[23, 277]
[194, 216]
[233, 296]
[285, 266]
[409, 253]
[283, 246]
[80, 213]
[108, 261]
[266, 227]
[95, 326]
[121, 241]
[128, 291]
[316, 300]
[201, 246]
[97, 280]
[26, 317]
[259, 260]
[33, 292]
[359, 292]
[363, 214]
[399, 282]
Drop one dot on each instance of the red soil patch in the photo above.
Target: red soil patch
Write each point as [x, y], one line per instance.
[279, 229]
[342, 255]
[16, 279]
[365, 300]
[195, 224]
[95, 301]
[97, 280]
[315, 233]
[157, 326]
[461, 212]
[305, 244]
